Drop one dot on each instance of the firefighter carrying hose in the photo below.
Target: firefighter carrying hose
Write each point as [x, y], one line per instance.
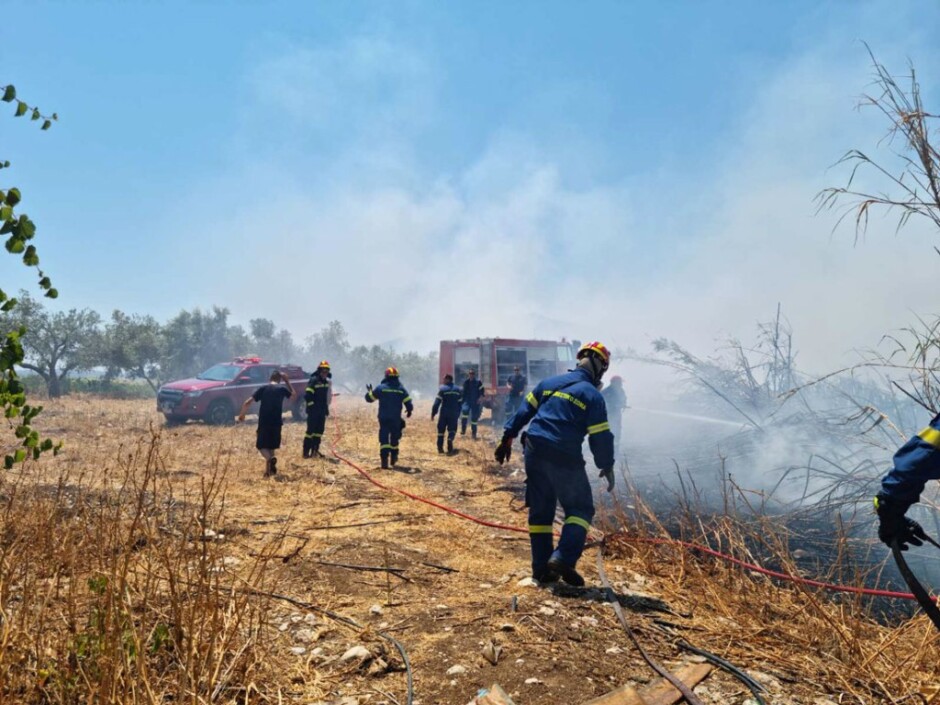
[916, 462]
[448, 401]
[616, 400]
[472, 403]
[391, 396]
[560, 411]
[317, 396]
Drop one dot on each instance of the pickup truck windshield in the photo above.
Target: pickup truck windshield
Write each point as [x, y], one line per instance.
[220, 373]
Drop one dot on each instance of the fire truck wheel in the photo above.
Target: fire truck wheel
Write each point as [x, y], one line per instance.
[220, 413]
[174, 420]
[298, 411]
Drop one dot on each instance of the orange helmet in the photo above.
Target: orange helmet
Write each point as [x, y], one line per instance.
[324, 365]
[391, 372]
[595, 348]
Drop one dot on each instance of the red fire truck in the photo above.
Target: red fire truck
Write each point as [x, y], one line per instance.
[495, 358]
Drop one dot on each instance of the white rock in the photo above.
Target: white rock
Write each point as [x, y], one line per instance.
[294, 618]
[520, 661]
[441, 607]
[590, 621]
[230, 561]
[310, 618]
[306, 635]
[356, 652]
[486, 586]
[532, 681]
[283, 626]
[614, 650]
[317, 651]
[456, 670]
[383, 625]
[507, 627]
[527, 582]
[375, 609]
[298, 650]
[547, 611]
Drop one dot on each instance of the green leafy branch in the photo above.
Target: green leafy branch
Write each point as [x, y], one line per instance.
[22, 108]
[20, 230]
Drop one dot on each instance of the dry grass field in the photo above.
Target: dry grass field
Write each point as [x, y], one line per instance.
[156, 565]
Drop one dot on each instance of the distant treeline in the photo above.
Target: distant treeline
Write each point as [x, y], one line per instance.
[132, 347]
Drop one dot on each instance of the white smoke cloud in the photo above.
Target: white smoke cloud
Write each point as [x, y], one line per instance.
[508, 245]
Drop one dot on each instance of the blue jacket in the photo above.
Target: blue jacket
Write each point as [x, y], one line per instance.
[391, 395]
[615, 398]
[472, 392]
[517, 384]
[916, 461]
[449, 398]
[562, 410]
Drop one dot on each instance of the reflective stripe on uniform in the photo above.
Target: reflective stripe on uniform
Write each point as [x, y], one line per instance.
[310, 389]
[564, 395]
[540, 528]
[533, 402]
[393, 391]
[370, 395]
[597, 428]
[385, 446]
[578, 521]
[406, 400]
[313, 435]
[930, 435]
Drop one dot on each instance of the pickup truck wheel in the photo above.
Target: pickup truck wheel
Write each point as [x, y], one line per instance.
[298, 411]
[220, 413]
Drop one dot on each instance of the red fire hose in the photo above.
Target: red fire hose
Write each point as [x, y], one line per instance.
[872, 592]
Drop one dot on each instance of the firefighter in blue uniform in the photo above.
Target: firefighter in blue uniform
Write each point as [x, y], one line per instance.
[317, 397]
[517, 383]
[392, 396]
[616, 400]
[916, 462]
[472, 403]
[448, 401]
[560, 411]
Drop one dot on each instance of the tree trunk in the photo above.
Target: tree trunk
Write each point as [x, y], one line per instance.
[53, 385]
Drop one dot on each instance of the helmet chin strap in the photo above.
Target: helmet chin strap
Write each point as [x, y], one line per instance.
[594, 366]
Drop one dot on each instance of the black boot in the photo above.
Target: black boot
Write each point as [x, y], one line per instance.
[565, 572]
[394, 458]
[440, 444]
[307, 444]
[450, 446]
[315, 448]
[384, 456]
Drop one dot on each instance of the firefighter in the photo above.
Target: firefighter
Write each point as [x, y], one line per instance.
[517, 383]
[317, 396]
[616, 400]
[391, 396]
[560, 411]
[916, 462]
[448, 401]
[270, 417]
[472, 403]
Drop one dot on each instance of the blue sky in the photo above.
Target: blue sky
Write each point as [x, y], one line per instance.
[430, 169]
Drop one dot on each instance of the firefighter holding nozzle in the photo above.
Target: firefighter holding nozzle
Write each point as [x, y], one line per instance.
[560, 411]
[916, 462]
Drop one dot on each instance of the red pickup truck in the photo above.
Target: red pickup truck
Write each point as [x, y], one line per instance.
[218, 393]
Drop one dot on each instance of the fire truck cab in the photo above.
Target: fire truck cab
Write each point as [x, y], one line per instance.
[495, 358]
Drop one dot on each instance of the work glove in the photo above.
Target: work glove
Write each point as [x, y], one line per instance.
[894, 526]
[504, 450]
[433, 415]
[408, 413]
[608, 475]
